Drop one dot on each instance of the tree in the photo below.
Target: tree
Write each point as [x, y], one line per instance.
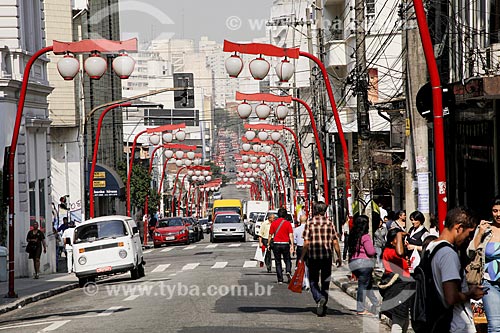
[216, 172]
[140, 185]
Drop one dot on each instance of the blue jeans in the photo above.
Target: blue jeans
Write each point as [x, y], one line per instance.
[491, 302]
[319, 268]
[362, 269]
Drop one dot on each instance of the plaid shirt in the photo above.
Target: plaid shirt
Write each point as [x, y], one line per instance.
[320, 232]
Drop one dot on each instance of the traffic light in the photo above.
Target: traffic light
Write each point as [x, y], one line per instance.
[184, 98]
[63, 203]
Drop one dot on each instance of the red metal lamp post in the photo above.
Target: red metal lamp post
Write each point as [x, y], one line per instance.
[285, 73]
[68, 67]
[437, 106]
[131, 162]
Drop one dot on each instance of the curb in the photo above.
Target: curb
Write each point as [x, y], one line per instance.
[37, 297]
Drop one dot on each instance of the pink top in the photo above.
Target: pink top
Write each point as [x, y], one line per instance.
[366, 249]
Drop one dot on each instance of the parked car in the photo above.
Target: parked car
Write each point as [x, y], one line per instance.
[171, 230]
[107, 245]
[205, 225]
[217, 196]
[229, 225]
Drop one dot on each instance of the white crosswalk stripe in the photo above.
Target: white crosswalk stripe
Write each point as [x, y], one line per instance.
[160, 268]
[167, 249]
[109, 311]
[254, 244]
[249, 264]
[211, 246]
[190, 247]
[131, 298]
[220, 264]
[234, 245]
[282, 264]
[190, 266]
[147, 251]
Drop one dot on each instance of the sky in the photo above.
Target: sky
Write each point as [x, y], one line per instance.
[236, 20]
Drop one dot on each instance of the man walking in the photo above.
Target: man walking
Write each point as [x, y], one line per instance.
[448, 274]
[281, 232]
[298, 237]
[320, 239]
[264, 239]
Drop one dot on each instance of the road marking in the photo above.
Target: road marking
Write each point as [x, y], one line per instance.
[211, 246]
[55, 325]
[190, 247]
[167, 249]
[160, 268]
[190, 266]
[220, 264]
[282, 264]
[250, 263]
[255, 244]
[131, 298]
[109, 311]
[51, 327]
[147, 251]
[234, 245]
[173, 274]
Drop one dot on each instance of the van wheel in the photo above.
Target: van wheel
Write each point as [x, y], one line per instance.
[134, 273]
[156, 246]
[244, 239]
[82, 282]
[141, 271]
[212, 240]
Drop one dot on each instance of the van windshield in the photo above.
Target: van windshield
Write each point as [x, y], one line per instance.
[227, 219]
[100, 230]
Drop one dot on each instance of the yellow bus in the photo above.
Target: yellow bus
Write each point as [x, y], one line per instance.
[227, 205]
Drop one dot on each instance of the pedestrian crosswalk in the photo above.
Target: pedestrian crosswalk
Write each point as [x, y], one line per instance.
[217, 265]
[201, 246]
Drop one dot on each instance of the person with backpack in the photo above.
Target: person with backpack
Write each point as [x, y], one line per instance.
[396, 285]
[442, 301]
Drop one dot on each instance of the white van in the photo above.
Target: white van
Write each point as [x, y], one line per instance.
[107, 245]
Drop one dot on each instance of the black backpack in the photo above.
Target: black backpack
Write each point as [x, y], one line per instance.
[428, 313]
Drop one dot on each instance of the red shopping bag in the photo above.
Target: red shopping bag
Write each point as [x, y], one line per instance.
[298, 277]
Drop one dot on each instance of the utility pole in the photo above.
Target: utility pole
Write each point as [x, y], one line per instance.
[364, 194]
[416, 143]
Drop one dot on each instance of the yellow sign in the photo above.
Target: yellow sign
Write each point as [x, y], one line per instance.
[99, 183]
[100, 174]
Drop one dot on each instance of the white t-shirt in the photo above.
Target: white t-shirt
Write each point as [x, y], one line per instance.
[446, 267]
[297, 235]
[68, 233]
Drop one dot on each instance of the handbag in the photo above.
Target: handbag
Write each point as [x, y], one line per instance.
[259, 254]
[271, 241]
[474, 271]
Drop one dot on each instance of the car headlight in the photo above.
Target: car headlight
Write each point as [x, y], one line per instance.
[157, 234]
[82, 260]
[123, 254]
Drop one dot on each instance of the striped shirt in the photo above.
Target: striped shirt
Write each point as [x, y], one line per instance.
[320, 232]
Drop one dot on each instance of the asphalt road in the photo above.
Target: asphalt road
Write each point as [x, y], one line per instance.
[202, 287]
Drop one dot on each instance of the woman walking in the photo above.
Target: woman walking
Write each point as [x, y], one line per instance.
[36, 239]
[361, 261]
[396, 286]
[488, 233]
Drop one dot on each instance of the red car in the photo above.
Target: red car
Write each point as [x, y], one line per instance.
[169, 231]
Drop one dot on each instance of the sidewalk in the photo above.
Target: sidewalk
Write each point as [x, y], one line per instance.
[30, 290]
